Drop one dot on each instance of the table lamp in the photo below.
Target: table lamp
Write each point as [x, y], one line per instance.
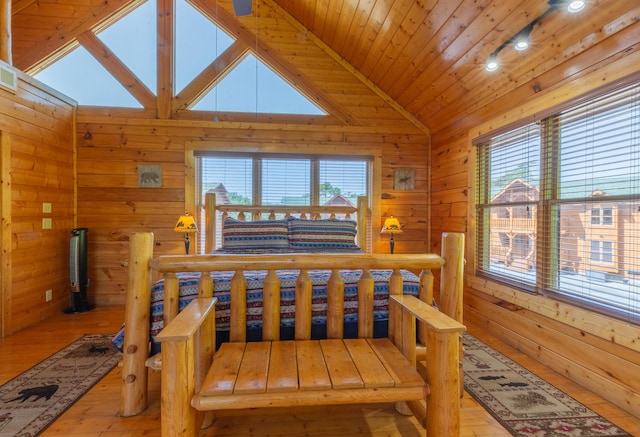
[186, 224]
[391, 226]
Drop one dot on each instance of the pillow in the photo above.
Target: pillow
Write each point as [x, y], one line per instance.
[322, 235]
[251, 235]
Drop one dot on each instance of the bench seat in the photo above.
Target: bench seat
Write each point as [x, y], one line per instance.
[308, 372]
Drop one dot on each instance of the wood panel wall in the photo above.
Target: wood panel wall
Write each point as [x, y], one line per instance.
[111, 205]
[36, 127]
[598, 352]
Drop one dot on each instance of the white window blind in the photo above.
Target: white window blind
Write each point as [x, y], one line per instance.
[343, 178]
[279, 180]
[508, 180]
[579, 240]
[286, 181]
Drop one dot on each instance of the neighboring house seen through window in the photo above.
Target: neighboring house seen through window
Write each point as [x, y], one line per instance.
[558, 204]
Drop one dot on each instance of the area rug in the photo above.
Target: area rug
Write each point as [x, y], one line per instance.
[33, 400]
[524, 404]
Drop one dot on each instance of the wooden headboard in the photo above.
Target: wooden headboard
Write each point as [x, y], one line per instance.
[266, 212]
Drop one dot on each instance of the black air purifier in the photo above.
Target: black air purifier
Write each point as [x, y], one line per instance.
[78, 271]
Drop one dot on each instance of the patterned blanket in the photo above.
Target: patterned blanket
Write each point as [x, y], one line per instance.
[188, 290]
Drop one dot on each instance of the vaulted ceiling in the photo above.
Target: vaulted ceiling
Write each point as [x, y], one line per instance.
[425, 55]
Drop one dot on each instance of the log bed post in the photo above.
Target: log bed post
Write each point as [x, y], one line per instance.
[133, 396]
[451, 284]
[362, 221]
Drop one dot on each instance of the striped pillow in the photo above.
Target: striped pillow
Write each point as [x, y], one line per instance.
[259, 234]
[322, 235]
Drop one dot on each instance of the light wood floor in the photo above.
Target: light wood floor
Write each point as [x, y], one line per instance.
[96, 414]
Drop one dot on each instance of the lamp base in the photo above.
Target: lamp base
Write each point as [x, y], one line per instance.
[391, 244]
[187, 243]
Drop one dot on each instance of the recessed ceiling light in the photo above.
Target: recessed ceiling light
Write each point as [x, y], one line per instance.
[492, 63]
[521, 42]
[576, 6]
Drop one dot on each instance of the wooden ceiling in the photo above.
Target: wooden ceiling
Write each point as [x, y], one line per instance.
[426, 55]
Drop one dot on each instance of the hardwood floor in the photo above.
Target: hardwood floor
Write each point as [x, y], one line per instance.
[96, 414]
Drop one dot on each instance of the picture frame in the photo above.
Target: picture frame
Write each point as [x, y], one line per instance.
[404, 179]
[150, 176]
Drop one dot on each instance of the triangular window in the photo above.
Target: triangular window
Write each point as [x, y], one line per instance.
[250, 86]
[198, 43]
[253, 87]
[81, 77]
[133, 39]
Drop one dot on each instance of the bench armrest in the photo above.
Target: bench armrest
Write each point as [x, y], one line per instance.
[443, 359]
[189, 320]
[188, 344]
[425, 313]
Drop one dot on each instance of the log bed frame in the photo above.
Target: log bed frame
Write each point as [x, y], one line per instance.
[195, 378]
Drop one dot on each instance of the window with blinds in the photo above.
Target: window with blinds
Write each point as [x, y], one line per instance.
[279, 180]
[558, 204]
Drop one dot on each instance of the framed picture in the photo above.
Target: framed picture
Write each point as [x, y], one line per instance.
[404, 179]
[150, 176]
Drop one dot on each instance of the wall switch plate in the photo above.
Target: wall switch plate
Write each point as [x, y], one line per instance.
[48, 295]
[46, 208]
[47, 223]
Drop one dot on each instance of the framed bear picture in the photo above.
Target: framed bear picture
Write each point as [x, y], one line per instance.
[150, 176]
[404, 179]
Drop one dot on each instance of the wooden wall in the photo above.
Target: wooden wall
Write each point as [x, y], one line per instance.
[113, 142]
[112, 206]
[600, 353]
[36, 127]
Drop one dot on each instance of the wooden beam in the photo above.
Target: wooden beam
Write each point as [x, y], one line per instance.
[63, 40]
[211, 75]
[19, 5]
[166, 56]
[117, 68]
[270, 57]
[5, 34]
[5, 236]
[347, 66]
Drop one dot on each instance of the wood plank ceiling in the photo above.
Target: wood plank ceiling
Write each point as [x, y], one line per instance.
[427, 55]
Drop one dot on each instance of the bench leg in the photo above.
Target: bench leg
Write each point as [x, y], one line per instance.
[443, 373]
[177, 417]
[403, 408]
[209, 418]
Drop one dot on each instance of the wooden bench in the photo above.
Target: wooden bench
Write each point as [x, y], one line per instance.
[304, 372]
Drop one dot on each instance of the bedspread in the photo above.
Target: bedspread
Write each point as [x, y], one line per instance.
[188, 290]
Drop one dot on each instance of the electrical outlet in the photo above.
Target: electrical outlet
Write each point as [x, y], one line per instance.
[47, 223]
[48, 295]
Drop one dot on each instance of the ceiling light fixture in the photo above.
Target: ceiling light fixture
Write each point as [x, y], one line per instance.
[521, 40]
[576, 6]
[492, 63]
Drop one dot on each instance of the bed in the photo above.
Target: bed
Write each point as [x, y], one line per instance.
[259, 230]
[275, 242]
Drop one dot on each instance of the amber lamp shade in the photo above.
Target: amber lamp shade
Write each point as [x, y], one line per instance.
[187, 225]
[391, 226]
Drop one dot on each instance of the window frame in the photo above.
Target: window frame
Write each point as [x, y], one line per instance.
[549, 207]
[372, 153]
